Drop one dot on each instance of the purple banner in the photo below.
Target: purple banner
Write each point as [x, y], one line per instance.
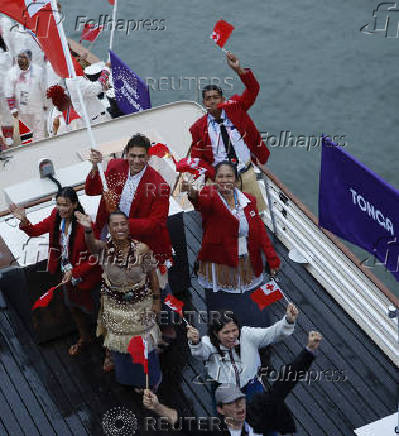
[359, 206]
[131, 92]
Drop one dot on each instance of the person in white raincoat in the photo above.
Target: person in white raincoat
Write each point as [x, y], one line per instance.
[25, 91]
[91, 89]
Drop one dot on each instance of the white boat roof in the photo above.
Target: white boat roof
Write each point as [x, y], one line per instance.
[168, 124]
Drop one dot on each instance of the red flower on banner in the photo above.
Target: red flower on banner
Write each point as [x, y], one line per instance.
[221, 32]
[174, 304]
[138, 349]
[45, 299]
[161, 150]
[90, 32]
[266, 295]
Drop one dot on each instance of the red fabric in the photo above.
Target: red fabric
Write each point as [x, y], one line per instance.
[70, 115]
[220, 230]
[221, 32]
[25, 133]
[45, 299]
[236, 110]
[161, 150]
[148, 212]
[84, 265]
[111, 2]
[41, 20]
[266, 295]
[194, 166]
[90, 32]
[174, 303]
[78, 68]
[137, 349]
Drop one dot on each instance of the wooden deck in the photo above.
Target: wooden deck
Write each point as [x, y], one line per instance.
[45, 392]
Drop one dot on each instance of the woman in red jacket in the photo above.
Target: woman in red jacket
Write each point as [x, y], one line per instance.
[68, 256]
[235, 246]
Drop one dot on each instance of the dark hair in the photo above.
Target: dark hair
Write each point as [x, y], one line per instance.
[69, 193]
[217, 324]
[138, 140]
[230, 164]
[116, 212]
[2, 43]
[211, 88]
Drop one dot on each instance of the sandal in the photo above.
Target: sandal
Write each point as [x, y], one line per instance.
[108, 364]
[80, 346]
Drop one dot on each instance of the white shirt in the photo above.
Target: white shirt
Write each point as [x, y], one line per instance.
[248, 429]
[129, 190]
[219, 151]
[251, 339]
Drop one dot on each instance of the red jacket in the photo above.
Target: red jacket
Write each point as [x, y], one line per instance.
[220, 233]
[236, 110]
[149, 210]
[84, 266]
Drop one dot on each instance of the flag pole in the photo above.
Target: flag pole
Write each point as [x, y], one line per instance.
[113, 25]
[72, 74]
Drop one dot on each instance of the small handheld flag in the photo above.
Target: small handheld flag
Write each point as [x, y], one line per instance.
[161, 150]
[194, 166]
[46, 298]
[90, 32]
[176, 305]
[221, 32]
[267, 294]
[138, 349]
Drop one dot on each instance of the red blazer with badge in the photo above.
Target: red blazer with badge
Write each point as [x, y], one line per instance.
[149, 209]
[236, 110]
[220, 232]
[84, 266]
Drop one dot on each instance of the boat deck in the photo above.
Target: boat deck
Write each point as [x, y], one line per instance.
[45, 392]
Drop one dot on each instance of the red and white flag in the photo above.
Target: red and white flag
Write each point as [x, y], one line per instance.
[160, 150]
[90, 32]
[25, 133]
[138, 349]
[45, 299]
[175, 304]
[221, 32]
[194, 166]
[267, 294]
[40, 17]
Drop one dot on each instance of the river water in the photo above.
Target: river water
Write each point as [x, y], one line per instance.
[318, 73]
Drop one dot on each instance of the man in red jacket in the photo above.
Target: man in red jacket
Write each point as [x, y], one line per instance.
[140, 192]
[227, 131]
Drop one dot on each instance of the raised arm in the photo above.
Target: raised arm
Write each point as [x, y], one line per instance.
[151, 402]
[290, 374]
[277, 332]
[248, 97]
[93, 245]
[199, 348]
[30, 229]
[93, 184]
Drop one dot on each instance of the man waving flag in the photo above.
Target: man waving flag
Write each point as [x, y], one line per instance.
[41, 17]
